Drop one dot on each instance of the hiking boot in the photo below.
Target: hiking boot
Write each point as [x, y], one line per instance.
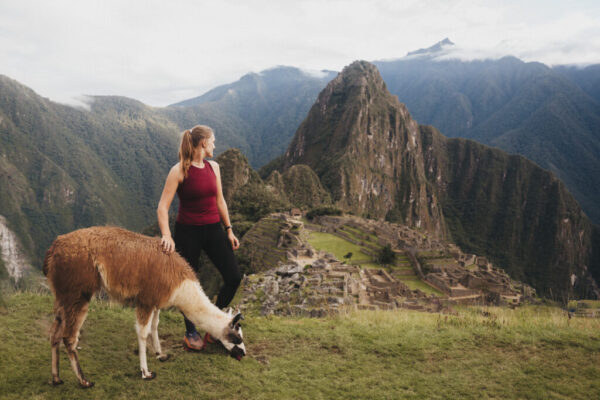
[193, 341]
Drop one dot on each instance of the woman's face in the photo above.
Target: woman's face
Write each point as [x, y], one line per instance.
[209, 146]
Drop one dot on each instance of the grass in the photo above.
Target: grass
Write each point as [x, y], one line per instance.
[337, 246]
[361, 236]
[414, 283]
[528, 353]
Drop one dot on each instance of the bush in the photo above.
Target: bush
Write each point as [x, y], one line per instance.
[386, 255]
[317, 212]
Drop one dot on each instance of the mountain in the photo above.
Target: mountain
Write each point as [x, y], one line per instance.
[587, 78]
[342, 140]
[377, 161]
[257, 114]
[63, 168]
[436, 48]
[551, 116]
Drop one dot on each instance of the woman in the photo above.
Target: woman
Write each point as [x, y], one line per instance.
[202, 208]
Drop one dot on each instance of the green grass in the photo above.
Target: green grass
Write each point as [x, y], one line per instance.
[337, 246]
[414, 283]
[527, 353]
[360, 235]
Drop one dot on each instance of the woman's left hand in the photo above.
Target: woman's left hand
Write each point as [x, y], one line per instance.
[235, 243]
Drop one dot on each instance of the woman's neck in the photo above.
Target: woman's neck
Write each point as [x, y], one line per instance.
[198, 159]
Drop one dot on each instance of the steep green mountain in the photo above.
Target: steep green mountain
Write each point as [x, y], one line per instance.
[376, 160]
[551, 116]
[247, 196]
[304, 189]
[257, 114]
[63, 168]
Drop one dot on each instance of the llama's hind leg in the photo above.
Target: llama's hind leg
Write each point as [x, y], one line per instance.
[56, 334]
[155, 339]
[74, 319]
[143, 325]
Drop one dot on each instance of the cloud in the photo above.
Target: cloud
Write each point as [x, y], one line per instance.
[163, 52]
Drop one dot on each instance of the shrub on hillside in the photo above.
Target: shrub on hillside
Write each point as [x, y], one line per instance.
[386, 255]
[316, 212]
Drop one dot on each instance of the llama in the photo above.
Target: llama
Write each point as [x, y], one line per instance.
[133, 269]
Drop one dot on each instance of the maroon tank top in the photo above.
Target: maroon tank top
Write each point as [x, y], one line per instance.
[198, 197]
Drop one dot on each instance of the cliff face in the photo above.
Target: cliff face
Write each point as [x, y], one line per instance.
[520, 215]
[377, 161]
[365, 148]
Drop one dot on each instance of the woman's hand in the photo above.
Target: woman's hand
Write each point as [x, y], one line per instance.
[167, 243]
[235, 243]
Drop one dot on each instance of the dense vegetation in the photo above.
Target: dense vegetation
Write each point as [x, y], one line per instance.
[63, 168]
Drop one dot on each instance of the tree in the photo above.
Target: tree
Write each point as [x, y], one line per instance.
[386, 255]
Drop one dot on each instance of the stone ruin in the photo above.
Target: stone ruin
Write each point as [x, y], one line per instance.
[314, 284]
[325, 287]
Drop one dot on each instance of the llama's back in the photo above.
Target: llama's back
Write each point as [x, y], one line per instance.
[127, 264]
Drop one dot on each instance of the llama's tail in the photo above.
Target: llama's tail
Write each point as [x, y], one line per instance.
[48, 260]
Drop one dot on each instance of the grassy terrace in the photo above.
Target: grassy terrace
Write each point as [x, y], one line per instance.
[338, 247]
[527, 353]
[360, 235]
[414, 283]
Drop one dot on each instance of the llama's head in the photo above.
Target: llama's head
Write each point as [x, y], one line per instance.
[233, 338]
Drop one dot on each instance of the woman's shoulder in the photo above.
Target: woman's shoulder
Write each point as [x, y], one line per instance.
[176, 172]
[214, 165]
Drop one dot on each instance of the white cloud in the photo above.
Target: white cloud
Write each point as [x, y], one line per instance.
[162, 52]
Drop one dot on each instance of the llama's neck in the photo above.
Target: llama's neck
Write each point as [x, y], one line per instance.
[197, 307]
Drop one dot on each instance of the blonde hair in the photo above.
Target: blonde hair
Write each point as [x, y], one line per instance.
[189, 141]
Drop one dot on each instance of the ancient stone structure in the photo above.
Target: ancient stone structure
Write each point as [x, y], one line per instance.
[312, 283]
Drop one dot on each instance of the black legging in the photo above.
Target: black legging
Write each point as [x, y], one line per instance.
[190, 240]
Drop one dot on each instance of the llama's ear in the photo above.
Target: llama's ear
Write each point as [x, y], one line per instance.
[236, 319]
[230, 311]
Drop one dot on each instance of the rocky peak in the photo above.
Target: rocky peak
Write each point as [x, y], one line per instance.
[364, 146]
[436, 48]
[235, 172]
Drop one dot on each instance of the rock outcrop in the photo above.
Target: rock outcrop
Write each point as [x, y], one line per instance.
[13, 259]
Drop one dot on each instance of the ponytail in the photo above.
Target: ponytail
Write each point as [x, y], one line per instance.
[189, 142]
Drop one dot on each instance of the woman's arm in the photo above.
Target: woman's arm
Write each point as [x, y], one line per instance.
[222, 206]
[173, 180]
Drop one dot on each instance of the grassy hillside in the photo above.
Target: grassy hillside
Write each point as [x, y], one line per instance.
[531, 352]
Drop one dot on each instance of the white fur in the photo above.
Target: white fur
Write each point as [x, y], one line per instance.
[197, 307]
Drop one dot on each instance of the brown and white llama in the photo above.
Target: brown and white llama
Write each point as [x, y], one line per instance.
[133, 269]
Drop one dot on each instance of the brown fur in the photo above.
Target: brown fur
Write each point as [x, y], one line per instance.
[134, 267]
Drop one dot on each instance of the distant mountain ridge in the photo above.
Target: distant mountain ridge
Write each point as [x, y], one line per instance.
[378, 162]
[259, 113]
[549, 115]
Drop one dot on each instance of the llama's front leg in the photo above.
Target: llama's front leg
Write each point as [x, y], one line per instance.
[155, 339]
[142, 328]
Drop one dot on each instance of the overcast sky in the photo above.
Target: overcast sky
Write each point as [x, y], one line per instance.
[161, 52]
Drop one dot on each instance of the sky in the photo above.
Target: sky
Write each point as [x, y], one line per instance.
[162, 52]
